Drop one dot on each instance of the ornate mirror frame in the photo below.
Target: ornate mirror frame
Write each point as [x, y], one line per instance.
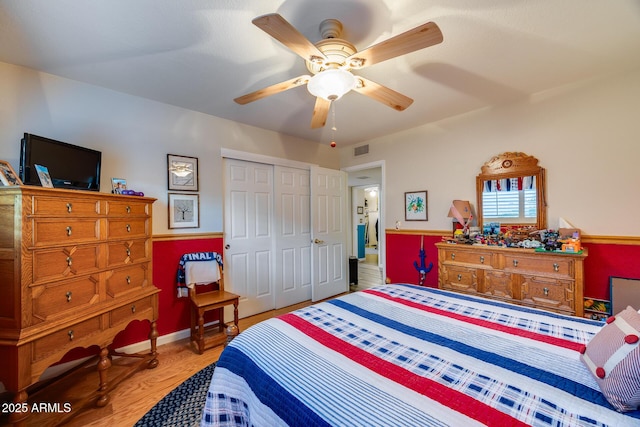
[513, 165]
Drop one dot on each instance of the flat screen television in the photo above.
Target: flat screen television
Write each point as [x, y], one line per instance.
[70, 166]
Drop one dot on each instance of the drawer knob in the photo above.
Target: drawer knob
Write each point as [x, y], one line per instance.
[546, 292]
[515, 262]
[453, 256]
[68, 295]
[556, 267]
[69, 207]
[128, 208]
[128, 279]
[133, 308]
[459, 277]
[128, 228]
[69, 261]
[70, 333]
[481, 260]
[68, 230]
[128, 251]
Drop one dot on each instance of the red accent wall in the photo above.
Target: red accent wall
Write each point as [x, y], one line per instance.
[604, 261]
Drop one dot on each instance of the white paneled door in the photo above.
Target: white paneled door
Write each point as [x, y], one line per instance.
[329, 225]
[285, 234]
[248, 224]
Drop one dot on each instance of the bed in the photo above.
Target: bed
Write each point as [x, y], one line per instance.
[404, 355]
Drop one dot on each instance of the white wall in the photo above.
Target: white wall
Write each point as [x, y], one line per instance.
[135, 135]
[586, 135]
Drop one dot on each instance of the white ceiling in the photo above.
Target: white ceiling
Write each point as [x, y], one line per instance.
[200, 54]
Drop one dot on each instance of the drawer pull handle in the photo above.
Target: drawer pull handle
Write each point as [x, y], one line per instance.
[69, 261]
[128, 228]
[481, 260]
[459, 277]
[453, 256]
[128, 252]
[70, 333]
[515, 262]
[128, 279]
[556, 267]
[69, 230]
[128, 208]
[69, 207]
[68, 295]
[546, 292]
[133, 308]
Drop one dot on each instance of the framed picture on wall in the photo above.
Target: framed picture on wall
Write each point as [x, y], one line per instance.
[7, 175]
[415, 206]
[182, 173]
[184, 210]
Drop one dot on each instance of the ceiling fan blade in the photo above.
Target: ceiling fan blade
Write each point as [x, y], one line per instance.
[280, 29]
[272, 90]
[320, 113]
[418, 38]
[388, 97]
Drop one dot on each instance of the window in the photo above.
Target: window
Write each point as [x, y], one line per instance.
[510, 201]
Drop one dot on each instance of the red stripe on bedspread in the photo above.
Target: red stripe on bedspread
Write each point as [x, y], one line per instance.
[559, 342]
[453, 399]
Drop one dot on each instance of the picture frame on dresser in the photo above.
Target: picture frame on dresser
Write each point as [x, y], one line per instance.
[182, 173]
[415, 206]
[7, 175]
[184, 210]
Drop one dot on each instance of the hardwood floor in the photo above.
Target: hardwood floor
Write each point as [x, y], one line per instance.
[135, 396]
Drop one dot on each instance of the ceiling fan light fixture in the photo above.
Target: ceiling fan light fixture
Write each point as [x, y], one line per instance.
[331, 84]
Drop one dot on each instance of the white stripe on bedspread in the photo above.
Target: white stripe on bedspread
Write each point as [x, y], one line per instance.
[344, 392]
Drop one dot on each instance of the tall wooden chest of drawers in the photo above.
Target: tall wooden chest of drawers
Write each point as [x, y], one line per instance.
[75, 270]
[551, 281]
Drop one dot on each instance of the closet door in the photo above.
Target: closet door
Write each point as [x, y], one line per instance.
[249, 235]
[292, 228]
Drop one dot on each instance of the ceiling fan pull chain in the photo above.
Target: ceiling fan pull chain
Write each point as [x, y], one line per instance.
[333, 123]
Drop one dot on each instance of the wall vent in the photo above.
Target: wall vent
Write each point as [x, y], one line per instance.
[359, 151]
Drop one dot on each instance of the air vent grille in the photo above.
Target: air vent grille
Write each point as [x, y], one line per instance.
[359, 151]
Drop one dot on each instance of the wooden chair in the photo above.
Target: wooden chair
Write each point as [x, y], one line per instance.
[202, 302]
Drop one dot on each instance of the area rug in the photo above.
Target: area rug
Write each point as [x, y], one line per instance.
[183, 405]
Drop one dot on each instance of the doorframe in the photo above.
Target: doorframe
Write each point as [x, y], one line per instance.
[382, 246]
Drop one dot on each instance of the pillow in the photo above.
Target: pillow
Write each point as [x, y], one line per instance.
[613, 357]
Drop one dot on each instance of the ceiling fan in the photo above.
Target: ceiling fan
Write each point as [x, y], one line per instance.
[331, 60]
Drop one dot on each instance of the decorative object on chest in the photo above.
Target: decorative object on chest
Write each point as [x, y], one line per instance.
[75, 270]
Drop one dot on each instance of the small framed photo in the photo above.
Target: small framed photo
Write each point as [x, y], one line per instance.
[43, 174]
[7, 175]
[360, 210]
[183, 172]
[118, 185]
[184, 210]
[415, 206]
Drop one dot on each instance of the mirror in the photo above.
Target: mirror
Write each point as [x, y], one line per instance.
[510, 190]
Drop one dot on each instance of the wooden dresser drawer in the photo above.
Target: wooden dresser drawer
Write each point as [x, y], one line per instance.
[67, 338]
[141, 308]
[63, 232]
[476, 257]
[61, 207]
[556, 266]
[60, 263]
[127, 252]
[545, 292]
[460, 279]
[127, 279]
[126, 209]
[63, 297]
[127, 228]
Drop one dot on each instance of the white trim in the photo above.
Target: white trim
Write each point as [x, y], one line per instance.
[261, 158]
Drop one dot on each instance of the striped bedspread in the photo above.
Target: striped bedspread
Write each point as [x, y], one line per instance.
[403, 355]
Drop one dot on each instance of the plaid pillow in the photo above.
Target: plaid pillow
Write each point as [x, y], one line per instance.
[613, 357]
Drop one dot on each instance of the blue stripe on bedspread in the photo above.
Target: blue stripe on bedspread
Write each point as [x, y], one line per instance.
[556, 381]
[272, 394]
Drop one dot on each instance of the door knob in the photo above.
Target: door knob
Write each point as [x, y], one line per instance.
[227, 246]
[318, 241]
